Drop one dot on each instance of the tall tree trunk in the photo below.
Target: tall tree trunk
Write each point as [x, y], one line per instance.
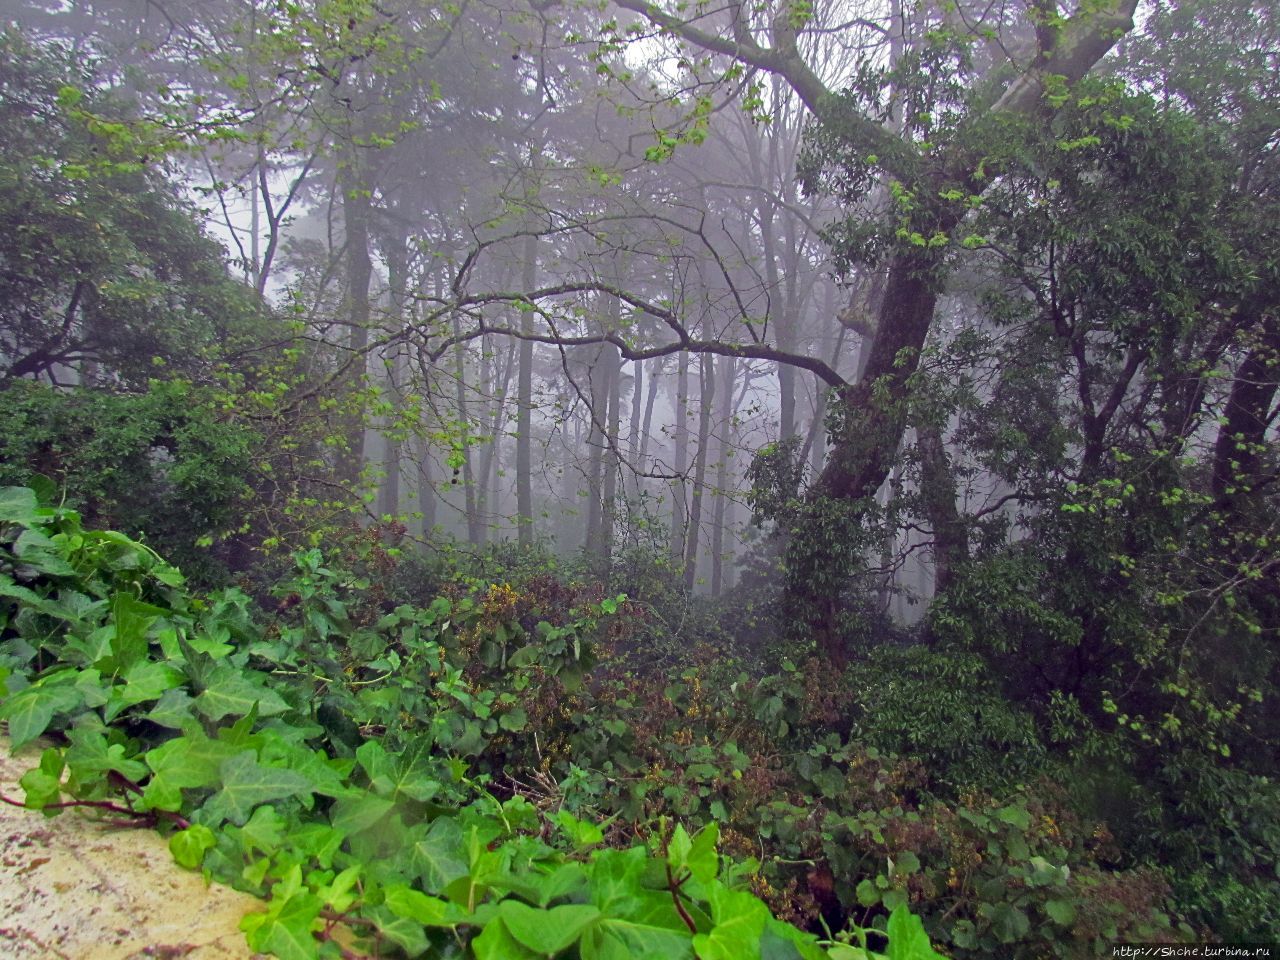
[491, 455]
[604, 553]
[1238, 452]
[524, 406]
[646, 426]
[598, 393]
[359, 275]
[707, 378]
[397, 270]
[633, 437]
[725, 418]
[938, 493]
[475, 528]
[678, 516]
[862, 452]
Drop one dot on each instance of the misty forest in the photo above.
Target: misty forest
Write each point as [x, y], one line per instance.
[680, 481]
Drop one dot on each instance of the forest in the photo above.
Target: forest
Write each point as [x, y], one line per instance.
[790, 480]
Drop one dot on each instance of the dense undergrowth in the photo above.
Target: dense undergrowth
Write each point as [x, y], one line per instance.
[334, 760]
[493, 758]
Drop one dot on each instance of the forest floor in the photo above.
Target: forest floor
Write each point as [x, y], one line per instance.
[73, 887]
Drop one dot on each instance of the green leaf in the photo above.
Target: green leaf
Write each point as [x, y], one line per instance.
[1063, 912]
[30, 711]
[285, 930]
[229, 692]
[496, 943]
[189, 846]
[18, 505]
[698, 856]
[547, 931]
[132, 619]
[581, 833]
[43, 785]
[245, 784]
[147, 680]
[438, 854]
[907, 939]
[188, 762]
[513, 720]
[173, 710]
[354, 815]
[405, 933]
[90, 757]
[739, 922]
[414, 905]
[867, 893]
[1007, 922]
[1014, 815]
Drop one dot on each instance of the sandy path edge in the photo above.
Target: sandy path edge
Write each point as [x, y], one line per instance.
[74, 888]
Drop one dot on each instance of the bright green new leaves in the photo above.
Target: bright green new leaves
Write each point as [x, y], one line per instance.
[189, 846]
[698, 855]
[285, 928]
[739, 922]
[547, 931]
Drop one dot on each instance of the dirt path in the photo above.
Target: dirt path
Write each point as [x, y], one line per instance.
[72, 888]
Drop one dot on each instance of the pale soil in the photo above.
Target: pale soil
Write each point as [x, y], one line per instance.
[75, 888]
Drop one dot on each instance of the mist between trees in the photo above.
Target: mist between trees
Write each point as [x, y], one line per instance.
[946, 322]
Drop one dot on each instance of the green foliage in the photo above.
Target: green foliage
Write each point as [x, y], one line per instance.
[208, 722]
[166, 462]
[104, 264]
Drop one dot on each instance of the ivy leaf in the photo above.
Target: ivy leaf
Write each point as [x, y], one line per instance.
[43, 785]
[147, 680]
[230, 692]
[173, 710]
[90, 757]
[132, 619]
[697, 855]
[285, 929]
[405, 933]
[190, 845]
[189, 762]
[438, 854]
[30, 711]
[582, 833]
[739, 922]
[356, 814]
[496, 943]
[547, 931]
[245, 784]
[415, 905]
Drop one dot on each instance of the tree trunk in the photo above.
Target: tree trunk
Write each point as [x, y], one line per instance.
[938, 492]
[646, 426]
[725, 417]
[524, 406]
[359, 275]
[707, 378]
[678, 517]
[598, 392]
[604, 552]
[475, 529]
